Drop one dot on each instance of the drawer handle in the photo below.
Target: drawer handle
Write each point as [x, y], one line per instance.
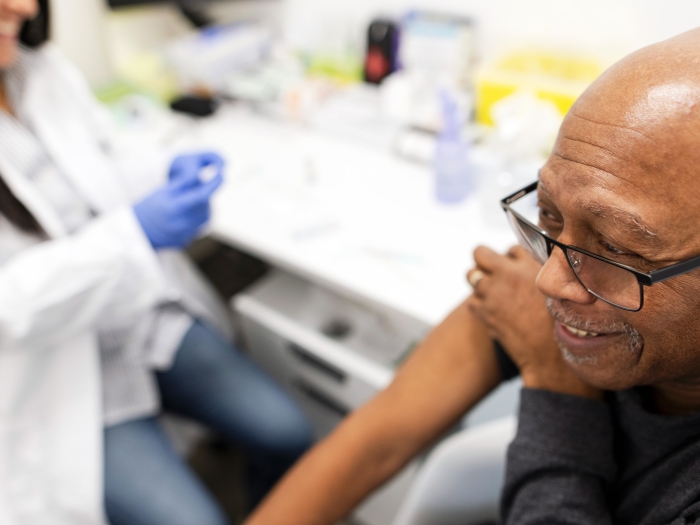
[322, 398]
[317, 363]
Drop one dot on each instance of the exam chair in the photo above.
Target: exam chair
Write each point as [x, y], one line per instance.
[461, 479]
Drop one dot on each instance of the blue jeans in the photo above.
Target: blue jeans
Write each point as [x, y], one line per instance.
[147, 483]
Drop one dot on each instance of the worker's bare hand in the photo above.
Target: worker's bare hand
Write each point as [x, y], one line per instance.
[507, 301]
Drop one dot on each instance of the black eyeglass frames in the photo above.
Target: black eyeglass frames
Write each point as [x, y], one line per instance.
[616, 284]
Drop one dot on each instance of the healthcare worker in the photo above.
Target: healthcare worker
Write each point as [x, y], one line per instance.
[102, 318]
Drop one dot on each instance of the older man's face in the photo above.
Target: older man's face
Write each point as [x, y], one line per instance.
[624, 182]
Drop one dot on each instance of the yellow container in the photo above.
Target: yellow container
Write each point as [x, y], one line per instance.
[559, 78]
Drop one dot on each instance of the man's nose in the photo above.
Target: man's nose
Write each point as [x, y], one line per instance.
[558, 281]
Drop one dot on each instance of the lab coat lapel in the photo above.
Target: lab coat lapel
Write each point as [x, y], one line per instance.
[69, 135]
[38, 206]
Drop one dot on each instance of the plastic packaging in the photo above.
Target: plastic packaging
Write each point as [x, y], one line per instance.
[203, 60]
[552, 76]
[454, 177]
[525, 128]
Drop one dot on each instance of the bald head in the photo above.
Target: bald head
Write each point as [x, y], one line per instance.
[623, 181]
[652, 86]
[651, 102]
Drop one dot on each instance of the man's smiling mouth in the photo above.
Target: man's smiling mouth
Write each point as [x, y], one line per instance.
[580, 333]
[580, 326]
[586, 337]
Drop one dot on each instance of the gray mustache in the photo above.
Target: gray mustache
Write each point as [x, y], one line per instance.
[561, 314]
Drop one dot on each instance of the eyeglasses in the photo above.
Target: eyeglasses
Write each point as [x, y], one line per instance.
[612, 282]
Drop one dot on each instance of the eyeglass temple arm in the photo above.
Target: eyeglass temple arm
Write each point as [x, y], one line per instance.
[518, 194]
[646, 279]
[674, 270]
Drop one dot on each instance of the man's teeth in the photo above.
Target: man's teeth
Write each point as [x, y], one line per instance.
[580, 333]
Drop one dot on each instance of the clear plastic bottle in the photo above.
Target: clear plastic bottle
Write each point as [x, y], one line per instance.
[454, 177]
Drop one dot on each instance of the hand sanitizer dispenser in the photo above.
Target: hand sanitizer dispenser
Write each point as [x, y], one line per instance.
[454, 178]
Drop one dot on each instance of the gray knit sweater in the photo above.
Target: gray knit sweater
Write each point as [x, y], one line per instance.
[577, 461]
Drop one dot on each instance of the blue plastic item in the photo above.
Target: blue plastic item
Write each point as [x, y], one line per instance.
[173, 215]
[454, 179]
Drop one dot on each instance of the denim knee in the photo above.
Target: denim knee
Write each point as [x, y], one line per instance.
[288, 433]
[147, 483]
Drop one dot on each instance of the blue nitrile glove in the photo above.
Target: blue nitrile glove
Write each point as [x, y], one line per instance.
[172, 215]
[185, 165]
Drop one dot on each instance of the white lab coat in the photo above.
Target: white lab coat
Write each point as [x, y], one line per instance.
[54, 294]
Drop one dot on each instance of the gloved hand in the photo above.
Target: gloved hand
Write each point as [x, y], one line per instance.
[199, 163]
[172, 215]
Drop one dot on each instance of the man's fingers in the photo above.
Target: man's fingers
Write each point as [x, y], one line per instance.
[517, 252]
[480, 282]
[477, 306]
[486, 259]
[474, 276]
[474, 304]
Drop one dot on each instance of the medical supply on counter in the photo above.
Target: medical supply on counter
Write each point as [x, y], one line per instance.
[267, 82]
[344, 68]
[381, 58]
[172, 215]
[439, 43]
[203, 60]
[436, 51]
[556, 77]
[410, 98]
[525, 128]
[454, 179]
[208, 172]
[146, 72]
[416, 144]
[354, 112]
[195, 106]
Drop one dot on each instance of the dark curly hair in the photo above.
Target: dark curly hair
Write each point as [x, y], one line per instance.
[36, 31]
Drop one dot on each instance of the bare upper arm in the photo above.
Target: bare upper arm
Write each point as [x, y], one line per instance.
[449, 372]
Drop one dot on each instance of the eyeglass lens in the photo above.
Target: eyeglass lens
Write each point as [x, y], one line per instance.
[611, 283]
[530, 239]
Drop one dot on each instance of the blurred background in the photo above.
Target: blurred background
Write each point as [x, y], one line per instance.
[390, 72]
[368, 143]
[607, 28]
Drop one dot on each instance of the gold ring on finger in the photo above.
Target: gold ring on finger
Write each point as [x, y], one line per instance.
[474, 278]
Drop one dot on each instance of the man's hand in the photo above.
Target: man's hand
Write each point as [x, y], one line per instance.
[507, 301]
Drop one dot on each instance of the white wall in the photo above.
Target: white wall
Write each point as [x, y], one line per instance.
[607, 27]
[80, 28]
[77, 26]
[610, 28]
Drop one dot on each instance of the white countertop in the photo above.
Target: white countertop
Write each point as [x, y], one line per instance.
[355, 218]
